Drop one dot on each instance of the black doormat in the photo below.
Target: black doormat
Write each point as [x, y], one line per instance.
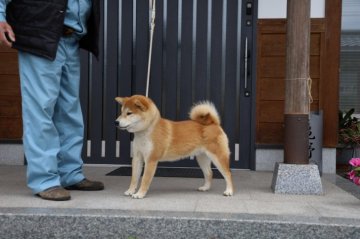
[168, 172]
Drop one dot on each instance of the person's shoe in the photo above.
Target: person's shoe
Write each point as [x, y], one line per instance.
[86, 185]
[55, 194]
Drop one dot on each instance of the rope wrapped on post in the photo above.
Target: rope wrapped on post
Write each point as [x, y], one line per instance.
[309, 85]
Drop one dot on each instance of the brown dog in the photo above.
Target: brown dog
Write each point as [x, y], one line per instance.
[157, 139]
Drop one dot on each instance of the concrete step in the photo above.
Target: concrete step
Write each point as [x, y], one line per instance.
[84, 223]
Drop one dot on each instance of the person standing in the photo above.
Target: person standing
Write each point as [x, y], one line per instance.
[48, 35]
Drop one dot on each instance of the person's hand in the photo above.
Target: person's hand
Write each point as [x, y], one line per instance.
[7, 35]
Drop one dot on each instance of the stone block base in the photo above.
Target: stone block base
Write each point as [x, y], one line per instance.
[301, 179]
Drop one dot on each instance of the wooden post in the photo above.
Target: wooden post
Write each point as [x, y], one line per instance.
[296, 141]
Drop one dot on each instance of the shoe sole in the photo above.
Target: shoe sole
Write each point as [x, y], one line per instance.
[54, 199]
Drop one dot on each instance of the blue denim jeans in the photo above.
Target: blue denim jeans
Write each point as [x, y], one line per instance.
[52, 118]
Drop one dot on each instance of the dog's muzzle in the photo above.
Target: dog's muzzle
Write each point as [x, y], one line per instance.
[117, 124]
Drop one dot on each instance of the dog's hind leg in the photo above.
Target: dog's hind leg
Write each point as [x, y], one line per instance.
[221, 161]
[149, 172]
[136, 168]
[205, 165]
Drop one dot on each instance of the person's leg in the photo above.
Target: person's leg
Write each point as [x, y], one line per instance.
[68, 117]
[69, 122]
[40, 83]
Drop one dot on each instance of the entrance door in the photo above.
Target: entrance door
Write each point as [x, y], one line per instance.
[203, 50]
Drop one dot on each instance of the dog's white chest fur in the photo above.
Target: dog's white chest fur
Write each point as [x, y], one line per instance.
[142, 145]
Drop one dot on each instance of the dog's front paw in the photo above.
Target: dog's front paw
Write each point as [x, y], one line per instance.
[138, 195]
[228, 193]
[129, 192]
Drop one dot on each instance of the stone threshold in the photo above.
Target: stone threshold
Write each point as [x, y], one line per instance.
[108, 223]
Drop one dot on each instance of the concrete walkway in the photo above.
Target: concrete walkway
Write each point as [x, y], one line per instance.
[174, 209]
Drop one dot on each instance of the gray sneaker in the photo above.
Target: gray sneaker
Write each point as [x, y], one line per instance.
[55, 194]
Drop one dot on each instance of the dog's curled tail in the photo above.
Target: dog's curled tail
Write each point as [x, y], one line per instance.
[205, 113]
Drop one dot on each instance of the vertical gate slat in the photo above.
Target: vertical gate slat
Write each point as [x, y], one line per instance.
[134, 46]
[95, 109]
[186, 50]
[224, 56]
[238, 67]
[169, 100]
[194, 49]
[231, 84]
[110, 78]
[141, 49]
[155, 89]
[179, 59]
[84, 96]
[209, 51]
[95, 133]
[216, 56]
[163, 58]
[201, 51]
[125, 69]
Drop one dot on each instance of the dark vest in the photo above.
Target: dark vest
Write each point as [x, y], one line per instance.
[38, 26]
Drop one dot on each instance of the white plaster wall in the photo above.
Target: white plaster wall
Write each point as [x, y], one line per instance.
[277, 9]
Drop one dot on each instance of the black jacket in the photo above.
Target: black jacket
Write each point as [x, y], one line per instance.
[38, 26]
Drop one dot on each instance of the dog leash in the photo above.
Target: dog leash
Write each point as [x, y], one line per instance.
[152, 9]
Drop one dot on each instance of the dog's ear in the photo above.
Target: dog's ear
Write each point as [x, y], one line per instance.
[120, 100]
[140, 105]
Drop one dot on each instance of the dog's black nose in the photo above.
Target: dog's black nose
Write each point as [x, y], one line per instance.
[116, 123]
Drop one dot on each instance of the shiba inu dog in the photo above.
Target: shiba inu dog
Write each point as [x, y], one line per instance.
[157, 139]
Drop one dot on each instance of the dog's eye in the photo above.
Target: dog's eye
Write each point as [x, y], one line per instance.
[129, 113]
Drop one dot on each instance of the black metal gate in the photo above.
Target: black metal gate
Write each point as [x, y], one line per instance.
[203, 50]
